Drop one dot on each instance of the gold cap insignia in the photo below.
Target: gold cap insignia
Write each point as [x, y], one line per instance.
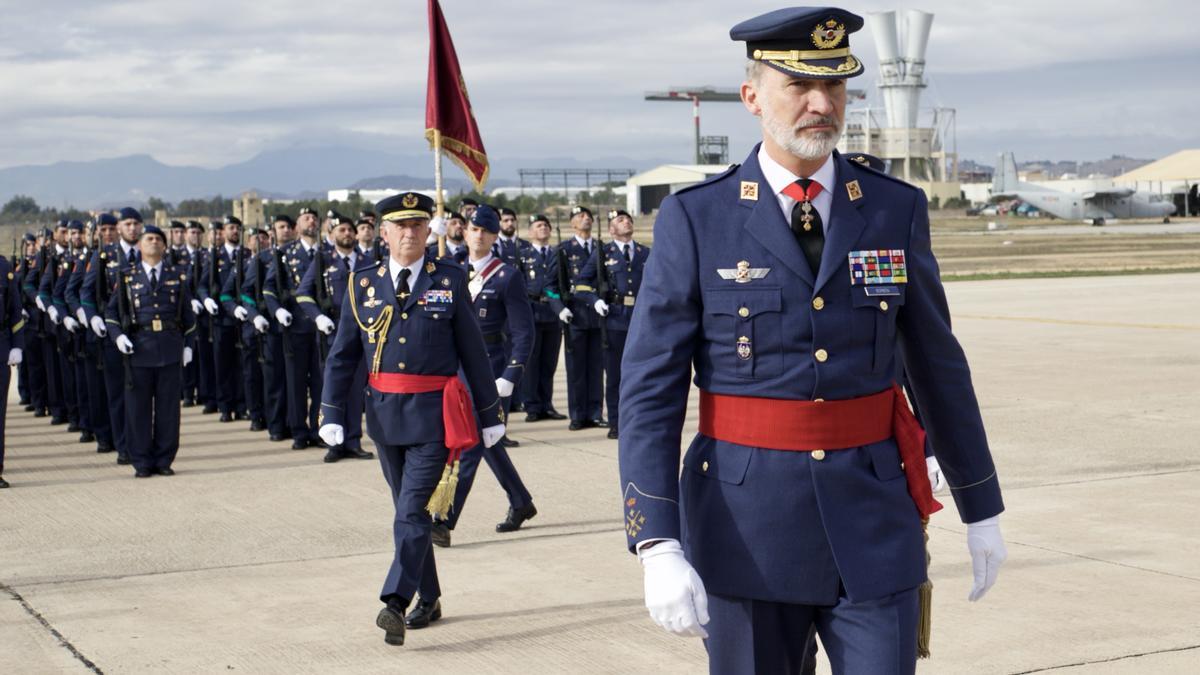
[749, 190]
[854, 190]
[829, 34]
[409, 201]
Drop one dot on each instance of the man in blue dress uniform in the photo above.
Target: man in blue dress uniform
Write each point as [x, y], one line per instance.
[237, 298]
[304, 369]
[620, 268]
[411, 320]
[328, 288]
[150, 321]
[585, 358]
[93, 399]
[508, 245]
[54, 292]
[795, 284]
[12, 342]
[31, 381]
[38, 283]
[500, 305]
[453, 225]
[538, 264]
[230, 388]
[99, 285]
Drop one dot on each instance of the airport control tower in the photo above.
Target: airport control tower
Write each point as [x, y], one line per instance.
[919, 144]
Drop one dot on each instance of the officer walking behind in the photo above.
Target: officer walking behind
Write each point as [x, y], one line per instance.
[12, 340]
[538, 384]
[150, 321]
[585, 359]
[99, 285]
[304, 370]
[790, 283]
[327, 290]
[619, 272]
[221, 263]
[411, 320]
[365, 235]
[501, 307]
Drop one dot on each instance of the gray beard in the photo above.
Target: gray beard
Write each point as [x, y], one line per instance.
[809, 146]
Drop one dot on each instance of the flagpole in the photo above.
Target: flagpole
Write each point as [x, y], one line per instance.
[437, 186]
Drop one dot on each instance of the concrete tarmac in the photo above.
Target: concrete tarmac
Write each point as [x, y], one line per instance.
[257, 558]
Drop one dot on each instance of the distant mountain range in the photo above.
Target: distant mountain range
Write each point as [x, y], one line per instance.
[279, 174]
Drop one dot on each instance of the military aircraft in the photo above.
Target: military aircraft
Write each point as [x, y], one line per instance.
[1094, 206]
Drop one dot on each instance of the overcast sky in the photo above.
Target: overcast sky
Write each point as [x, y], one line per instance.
[214, 82]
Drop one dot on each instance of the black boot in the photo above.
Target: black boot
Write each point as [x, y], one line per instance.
[423, 614]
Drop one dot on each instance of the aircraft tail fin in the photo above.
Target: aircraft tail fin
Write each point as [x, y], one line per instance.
[1005, 179]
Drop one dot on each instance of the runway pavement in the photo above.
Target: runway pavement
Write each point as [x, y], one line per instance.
[257, 558]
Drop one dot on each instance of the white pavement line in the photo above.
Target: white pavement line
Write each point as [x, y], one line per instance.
[1079, 322]
[1080, 664]
[1084, 481]
[62, 640]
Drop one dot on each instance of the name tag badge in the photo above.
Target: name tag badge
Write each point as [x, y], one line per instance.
[156, 325]
[882, 290]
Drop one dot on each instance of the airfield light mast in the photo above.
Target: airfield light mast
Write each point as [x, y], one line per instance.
[695, 95]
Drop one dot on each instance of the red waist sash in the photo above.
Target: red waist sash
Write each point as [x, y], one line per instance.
[457, 418]
[805, 426]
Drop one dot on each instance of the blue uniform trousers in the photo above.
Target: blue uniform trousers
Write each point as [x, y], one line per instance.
[275, 397]
[231, 396]
[154, 416]
[496, 457]
[79, 385]
[612, 371]
[303, 386]
[252, 373]
[757, 636]
[114, 385]
[537, 387]
[34, 360]
[412, 473]
[205, 362]
[5, 379]
[23, 380]
[97, 394]
[54, 387]
[585, 372]
[355, 399]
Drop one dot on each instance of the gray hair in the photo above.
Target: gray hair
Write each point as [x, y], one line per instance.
[754, 70]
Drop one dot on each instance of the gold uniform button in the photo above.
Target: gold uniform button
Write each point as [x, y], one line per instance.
[822, 355]
[704, 466]
[404, 315]
[818, 455]
[818, 303]
[402, 366]
[883, 305]
[403, 340]
[743, 312]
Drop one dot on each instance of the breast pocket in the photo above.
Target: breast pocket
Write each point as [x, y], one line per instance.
[875, 311]
[435, 323]
[746, 327]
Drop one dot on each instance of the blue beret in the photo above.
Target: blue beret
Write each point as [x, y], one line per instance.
[47, 233]
[803, 42]
[75, 225]
[153, 229]
[405, 205]
[64, 222]
[106, 219]
[129, 213]
[486, 218]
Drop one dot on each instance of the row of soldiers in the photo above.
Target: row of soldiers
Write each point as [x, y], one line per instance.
[263, 312]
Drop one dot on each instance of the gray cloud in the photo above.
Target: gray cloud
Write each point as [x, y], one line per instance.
[214, 82]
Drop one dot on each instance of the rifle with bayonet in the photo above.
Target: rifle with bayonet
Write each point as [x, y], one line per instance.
[603, 287]
[566, 294]
[323, 299]
[214, 284]
[125, 318]
[260, 302]
[281, 295]
[239, 280]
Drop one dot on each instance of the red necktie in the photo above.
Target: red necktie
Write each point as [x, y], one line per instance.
[806, 221]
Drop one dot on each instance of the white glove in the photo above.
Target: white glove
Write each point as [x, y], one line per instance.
[187, 356]
[25, 315]
[240, 313]
[601, 307]
[37, 300]
[504, 387]
[936, 480]
[492, 435]
[53, 314]
[674, 592]
[261, 324]
[325, 324]
[98, 326]
[70, 324]
[15, 356]
[211, 306]
[987, 554]
[197, 308]
[438, 225]
[332, 434]
[82, 316]
[565, 316]
[124, 345]
[283, 316]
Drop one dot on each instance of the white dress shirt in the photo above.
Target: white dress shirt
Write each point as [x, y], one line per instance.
[413, 269]
[778, 178]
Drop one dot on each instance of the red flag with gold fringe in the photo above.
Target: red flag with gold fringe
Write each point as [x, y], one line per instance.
[449, 121]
